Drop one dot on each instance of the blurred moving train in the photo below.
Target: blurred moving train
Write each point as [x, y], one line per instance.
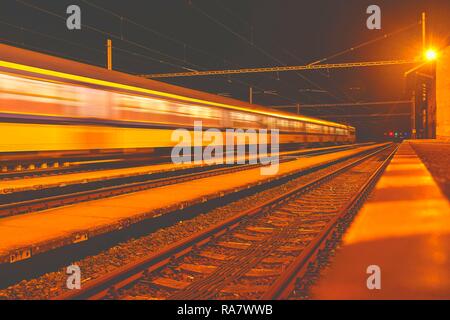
[56, 108]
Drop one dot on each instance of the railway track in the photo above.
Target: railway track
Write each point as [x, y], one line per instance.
[52, 168]
[41, 198]
[259, 253]
[56, 167]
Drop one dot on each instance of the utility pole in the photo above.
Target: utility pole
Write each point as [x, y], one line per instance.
[413, 114]
[109, 53]
[413, 101]
[413, 104]
[298, 108]
[424, 30]
[250, 95]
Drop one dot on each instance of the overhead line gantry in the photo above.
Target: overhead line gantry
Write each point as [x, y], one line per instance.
[282, 68]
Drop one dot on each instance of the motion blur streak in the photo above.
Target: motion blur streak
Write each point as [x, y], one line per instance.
[44, 110]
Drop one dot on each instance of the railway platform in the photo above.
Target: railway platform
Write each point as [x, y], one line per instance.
[404, 229]
[26, 235]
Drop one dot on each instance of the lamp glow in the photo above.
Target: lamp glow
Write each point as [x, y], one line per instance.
[431, 54]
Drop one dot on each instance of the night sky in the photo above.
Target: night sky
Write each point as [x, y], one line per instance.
[155, 36]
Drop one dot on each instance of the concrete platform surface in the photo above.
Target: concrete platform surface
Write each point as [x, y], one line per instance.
[435, 154]
[37, 232]
[404, 229]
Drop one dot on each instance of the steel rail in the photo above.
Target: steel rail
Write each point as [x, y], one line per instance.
[285, 284]
[109, 164]
[72, 168]
[44, 203]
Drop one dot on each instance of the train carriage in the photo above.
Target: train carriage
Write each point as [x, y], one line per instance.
[52, 106]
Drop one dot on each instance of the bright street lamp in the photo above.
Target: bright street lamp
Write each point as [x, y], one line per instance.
[431, 54]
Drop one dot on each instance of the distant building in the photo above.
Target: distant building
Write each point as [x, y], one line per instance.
[443, 95]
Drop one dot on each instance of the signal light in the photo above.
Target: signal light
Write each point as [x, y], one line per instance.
[391, 133]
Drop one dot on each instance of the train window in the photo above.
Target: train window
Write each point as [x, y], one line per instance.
[264, 121]
[312, 127]
[282, 123]
[157, 106]
[38, 91]
[205, 112]
[271, 123]
[292, 124]
[243, 116]
[301, 126]
[140, 104]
